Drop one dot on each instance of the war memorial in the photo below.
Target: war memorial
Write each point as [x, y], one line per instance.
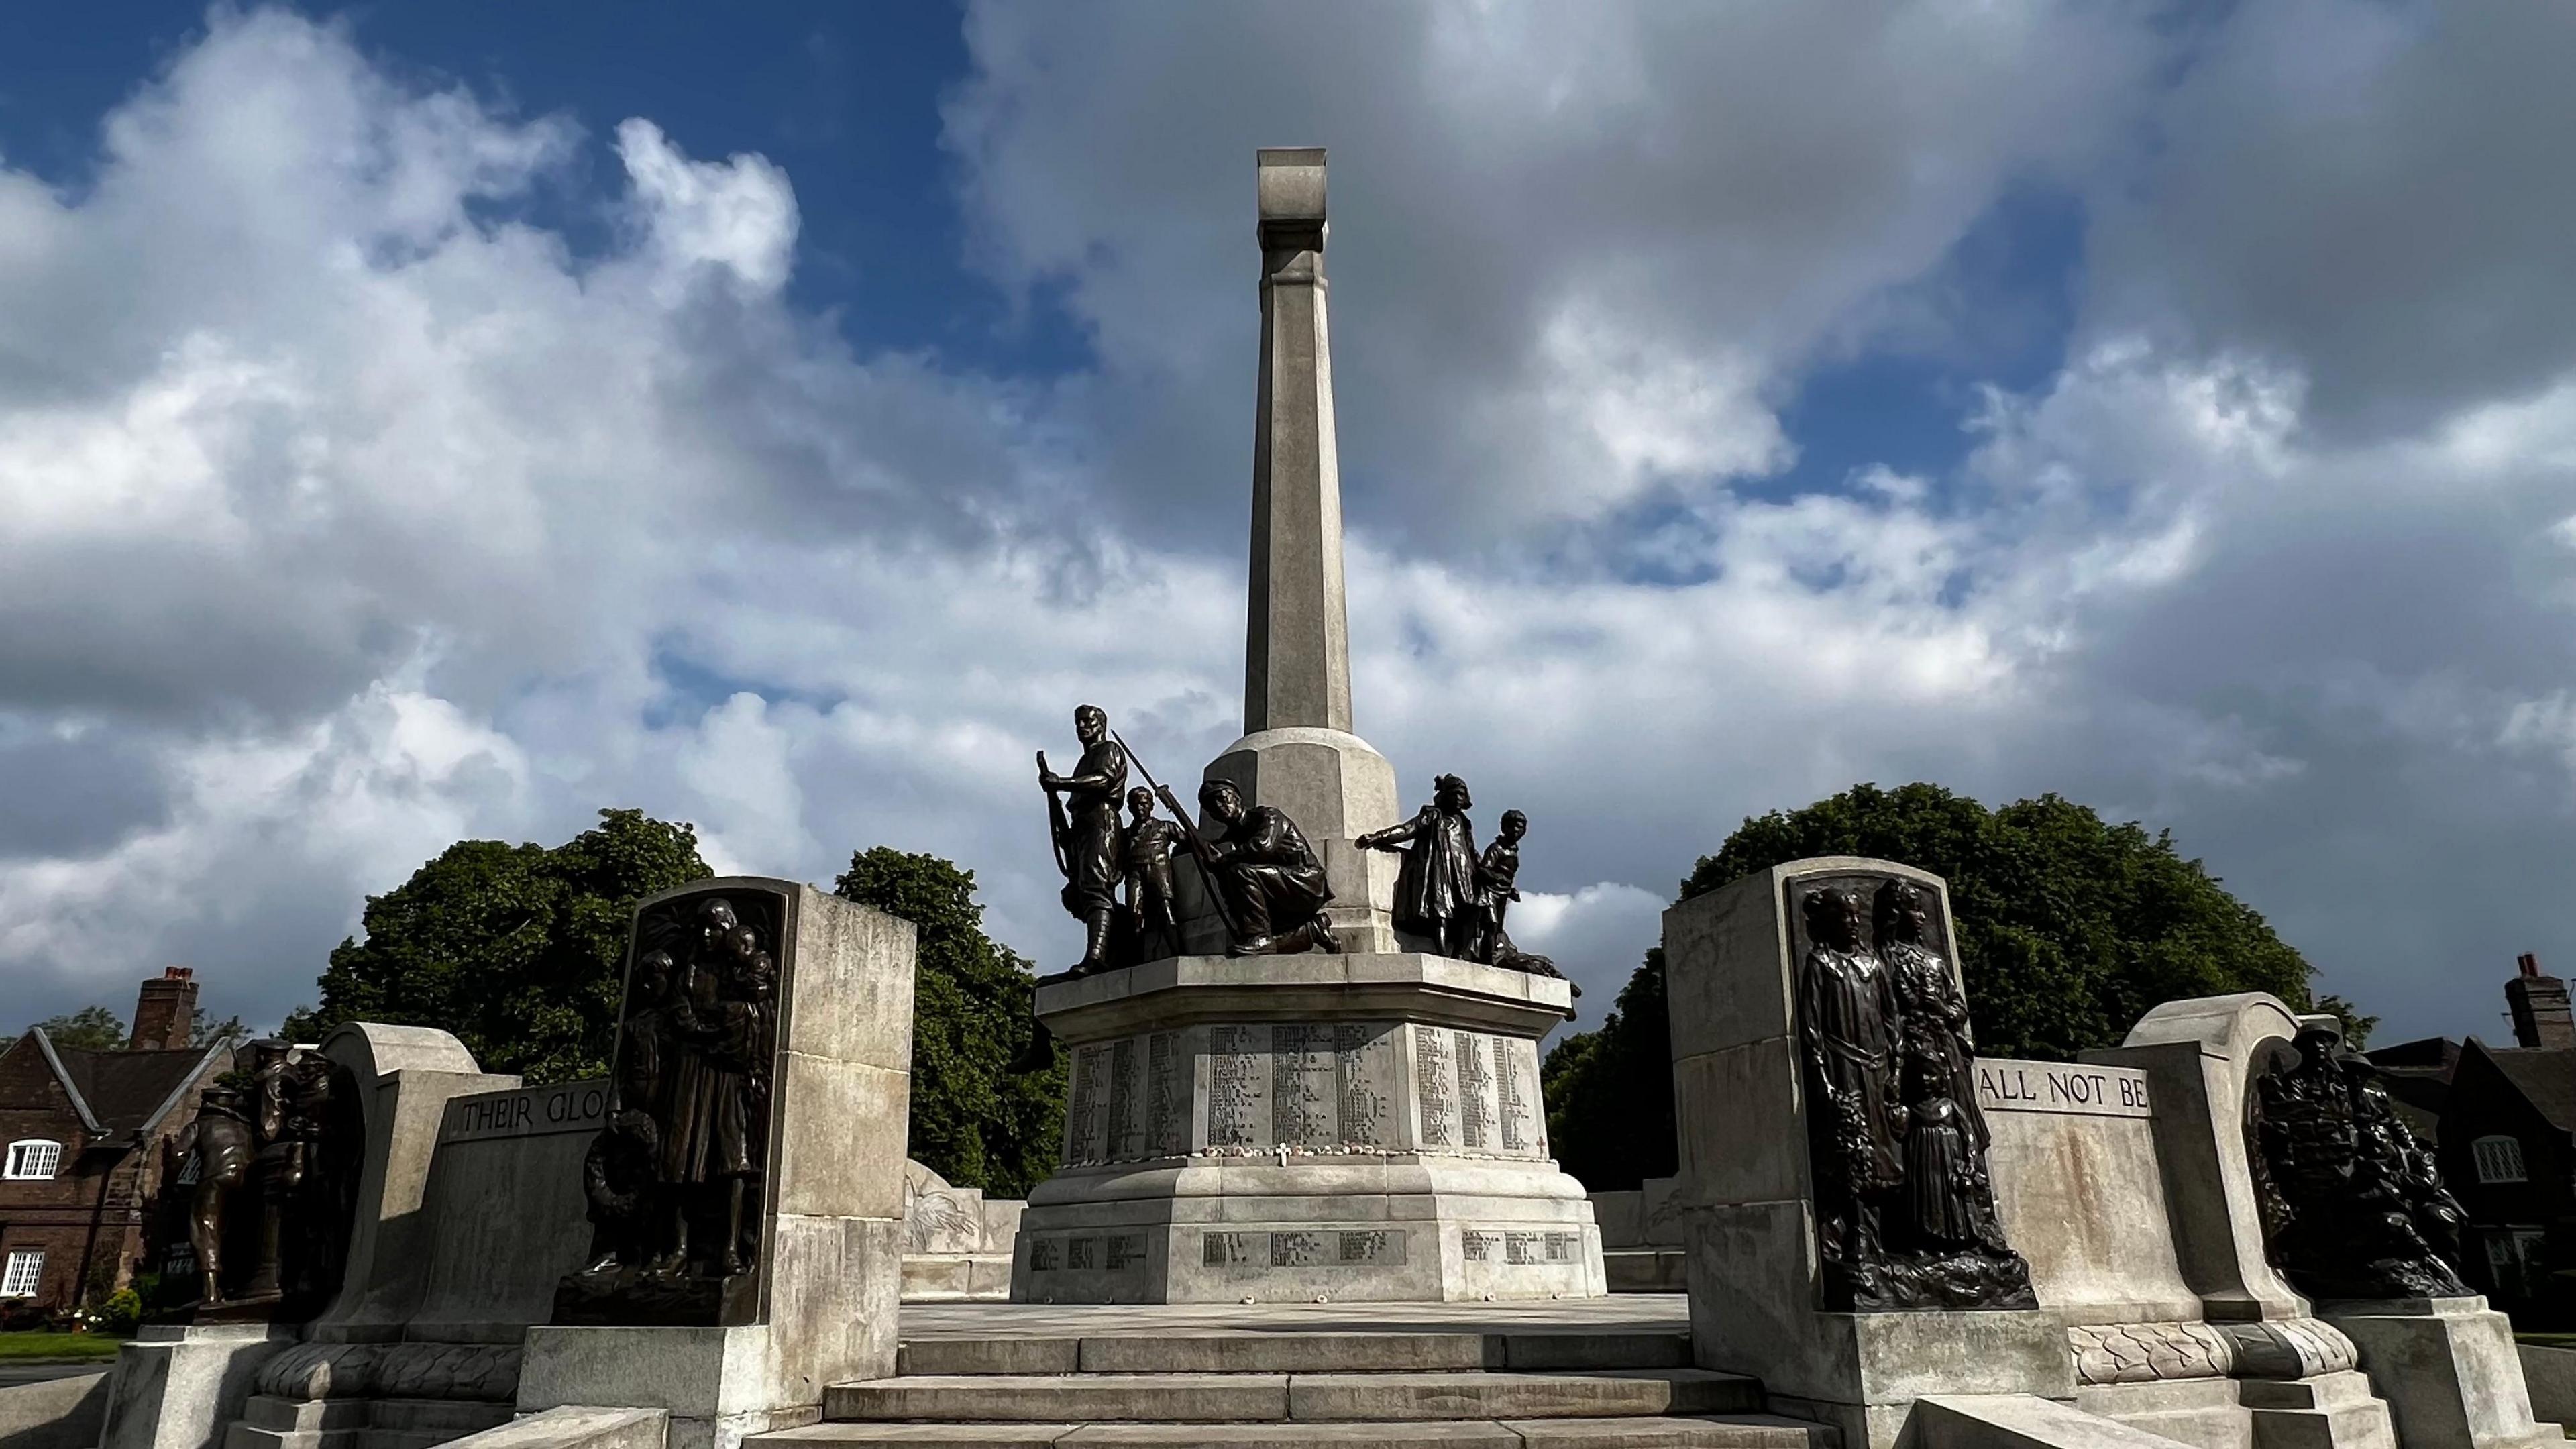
[1306, 1193]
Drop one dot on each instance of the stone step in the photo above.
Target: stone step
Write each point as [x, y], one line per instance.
[1239, 1397]
[1722, 1431]
[1360, 1352]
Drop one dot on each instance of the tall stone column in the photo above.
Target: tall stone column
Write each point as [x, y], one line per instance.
[1298, 752]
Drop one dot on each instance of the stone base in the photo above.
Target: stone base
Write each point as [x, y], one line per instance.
[719, 1385]
[277, 1423]
[1360, 1127]
[2448, 1369]
[1320, 1229]
[178, 1386]
[1753, 1296]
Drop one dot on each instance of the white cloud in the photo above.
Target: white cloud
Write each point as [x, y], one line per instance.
[349, 511]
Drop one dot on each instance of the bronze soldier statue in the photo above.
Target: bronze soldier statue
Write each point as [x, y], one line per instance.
[222, 1139]
[1273, 884]
[1083, 807]
[1436, 890]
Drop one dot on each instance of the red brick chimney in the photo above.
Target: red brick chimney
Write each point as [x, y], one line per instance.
[2540, 1013]
[167, 1010]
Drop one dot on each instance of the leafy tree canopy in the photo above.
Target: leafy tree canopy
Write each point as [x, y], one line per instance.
[98, 1029]
[92, 1028]
[987, 1089]
[2070, 928]
[517, 949]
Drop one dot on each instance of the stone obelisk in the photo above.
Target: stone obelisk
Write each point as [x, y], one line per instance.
[1298, 752]
[1366, 1124]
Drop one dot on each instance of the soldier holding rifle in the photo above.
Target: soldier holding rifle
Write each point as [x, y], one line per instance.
[1082, 810]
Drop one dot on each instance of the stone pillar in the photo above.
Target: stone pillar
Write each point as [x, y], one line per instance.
[1298, 752]
[1748, 1197]
[2200, 1056]
[831, 1238]
[405, 1076]
[177, 1386]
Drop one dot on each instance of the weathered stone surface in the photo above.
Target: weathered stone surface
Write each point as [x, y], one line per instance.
[2448, 1369]
[1733, 1431]
[1518, 1395]
[2549, 1380]
[177, 1387]
[2197, 1056]
[2019, 1421]
[406, 1076]
[64, 1413]
[578, 1428]
[2082, 1197]
[1285, 1353]
[1189, 1398]
[1300, 1127]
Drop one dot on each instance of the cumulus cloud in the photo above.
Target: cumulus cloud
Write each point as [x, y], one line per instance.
[351, 509]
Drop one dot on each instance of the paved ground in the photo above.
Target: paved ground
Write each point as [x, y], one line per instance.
[37, 1373]
[1618, 1313]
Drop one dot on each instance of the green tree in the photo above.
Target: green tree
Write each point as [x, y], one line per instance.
[1610, 1090]
[2070, 929]
[204, 1030]
[92, 1028]
[517, 949]
[987, 1087]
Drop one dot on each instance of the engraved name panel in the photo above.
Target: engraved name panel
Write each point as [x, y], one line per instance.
[1434, 1093]
[1167, 1102]
[1082, 1106]
[1517, 1100]
[1304, 1106]
[1126, 1128]
[1367, 1060]
[1238, 1088]
[1475, 1093]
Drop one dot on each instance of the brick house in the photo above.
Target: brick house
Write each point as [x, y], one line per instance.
[85, 1140]
[2503, 1128]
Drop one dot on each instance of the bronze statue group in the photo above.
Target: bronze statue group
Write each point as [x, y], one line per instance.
[1265, 880]
[1905, 1210]
[673, 1180]
[280, 1130]
[2353, 1206]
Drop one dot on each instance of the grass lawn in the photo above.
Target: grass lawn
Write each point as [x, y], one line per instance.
[44, 1343]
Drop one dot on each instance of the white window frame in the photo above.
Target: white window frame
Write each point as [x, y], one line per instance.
[2499, 1159]
[24, 1273]
[33, 1159]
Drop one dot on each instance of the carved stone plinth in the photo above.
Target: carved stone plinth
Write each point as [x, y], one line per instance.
[1287, 1128]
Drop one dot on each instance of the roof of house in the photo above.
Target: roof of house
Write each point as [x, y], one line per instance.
[2545, 1077]
[119, 1093]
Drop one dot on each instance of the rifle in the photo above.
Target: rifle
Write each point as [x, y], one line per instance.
[1058, 827]
[1199, 848]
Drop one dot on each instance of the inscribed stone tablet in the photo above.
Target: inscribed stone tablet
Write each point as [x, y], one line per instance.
[1519, 1104]
[1126, 1129]
[1297, 1250]
[1167, 1102]
[1224, 1250]
[1304, 1107]
[1475, 1093]
[1374, 1247]
[1238, 1096]
[526, 1112]
[1432, 1089]
[2071, 1088]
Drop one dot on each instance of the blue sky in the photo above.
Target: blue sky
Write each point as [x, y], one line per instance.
[428, 421]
